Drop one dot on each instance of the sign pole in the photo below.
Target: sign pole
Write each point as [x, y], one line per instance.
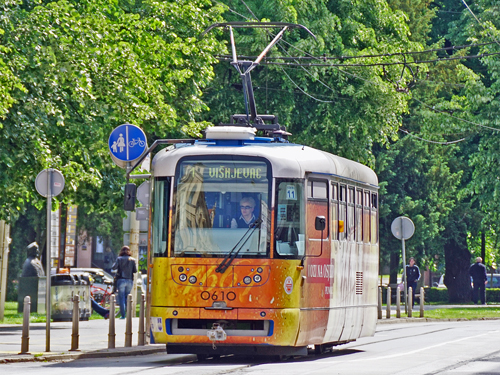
[404, 273]
[47, 261]
[403, 228]
[49, 183]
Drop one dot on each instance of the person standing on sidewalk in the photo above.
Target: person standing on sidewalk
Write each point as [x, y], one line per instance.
[125, 267]
[412, 276]
[479, 278]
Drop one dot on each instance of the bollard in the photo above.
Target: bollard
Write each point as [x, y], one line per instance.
[25, 337]
[398, 303]
[140, 340]
[128, 326]
[379, 303]
[388, 307]
[76, 319]
[409, 305]
[112, 332]
[422, 301]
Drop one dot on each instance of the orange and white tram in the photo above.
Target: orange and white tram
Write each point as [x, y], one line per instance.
[301, 270]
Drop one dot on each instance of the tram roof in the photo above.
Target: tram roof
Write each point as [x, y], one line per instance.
[288, 160]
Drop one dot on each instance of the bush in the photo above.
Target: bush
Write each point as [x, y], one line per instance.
[436, 295]
[492, 294]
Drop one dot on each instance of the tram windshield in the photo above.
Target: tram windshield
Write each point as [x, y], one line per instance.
[221, 206]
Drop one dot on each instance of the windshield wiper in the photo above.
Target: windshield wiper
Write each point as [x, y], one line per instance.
[228, 259]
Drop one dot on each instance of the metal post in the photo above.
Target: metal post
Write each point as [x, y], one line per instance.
[404, 269]
[4, 260]
[422, 301]
[48, 265]
[76, 319]
[398, 303]
[388, 306]
[25, 338]
[379, 309]
[128, 326]
[140, 341]
[112, 332]
[410, 302]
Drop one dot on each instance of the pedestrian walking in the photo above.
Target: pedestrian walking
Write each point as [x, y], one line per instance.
[412, 276]
[125, 267]
[479, 278]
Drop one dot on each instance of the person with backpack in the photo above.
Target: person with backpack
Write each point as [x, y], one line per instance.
[125, 267]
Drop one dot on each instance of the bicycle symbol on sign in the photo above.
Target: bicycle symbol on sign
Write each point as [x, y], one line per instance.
[135, 141]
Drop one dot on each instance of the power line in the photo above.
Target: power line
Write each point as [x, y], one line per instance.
[325, 58]
[479, 22]
[416, 62]
[457, 118]
[446, 143]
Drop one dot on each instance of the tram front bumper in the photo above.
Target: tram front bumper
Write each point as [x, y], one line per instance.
[241, 326]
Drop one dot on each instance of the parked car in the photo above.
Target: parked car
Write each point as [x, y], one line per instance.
[493, 281]
[102, 279]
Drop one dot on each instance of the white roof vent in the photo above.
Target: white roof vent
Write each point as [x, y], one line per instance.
[230, 132]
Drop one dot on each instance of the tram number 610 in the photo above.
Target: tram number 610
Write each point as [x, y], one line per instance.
[218, 296]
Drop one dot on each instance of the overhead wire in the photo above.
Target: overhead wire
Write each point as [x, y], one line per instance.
[377, 83]
[479, 22]
[446, 143]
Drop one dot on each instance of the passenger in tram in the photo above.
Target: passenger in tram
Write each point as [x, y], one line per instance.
[247, 207]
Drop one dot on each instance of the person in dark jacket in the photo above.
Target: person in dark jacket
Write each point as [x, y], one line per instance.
[479, 278]
[412, 276]
[125, 267]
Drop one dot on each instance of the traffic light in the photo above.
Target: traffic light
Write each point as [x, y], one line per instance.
[130, 194]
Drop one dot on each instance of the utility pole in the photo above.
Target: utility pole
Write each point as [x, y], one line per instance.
[4, 261]
[134, 249]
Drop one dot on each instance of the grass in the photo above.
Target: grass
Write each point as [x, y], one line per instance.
[11, 316]
[462, 313]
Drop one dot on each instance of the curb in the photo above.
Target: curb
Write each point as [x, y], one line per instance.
[421, 320]
[103, 353]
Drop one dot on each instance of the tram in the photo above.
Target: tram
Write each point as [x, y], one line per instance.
[258, 245]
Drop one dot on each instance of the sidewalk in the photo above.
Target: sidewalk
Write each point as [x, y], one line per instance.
[93, 342]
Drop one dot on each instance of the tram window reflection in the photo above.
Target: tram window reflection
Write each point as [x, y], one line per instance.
[290, 214]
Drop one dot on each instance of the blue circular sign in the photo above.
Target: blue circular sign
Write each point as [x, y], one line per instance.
[127, 143]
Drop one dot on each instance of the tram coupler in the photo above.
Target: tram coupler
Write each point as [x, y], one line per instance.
[217, 333]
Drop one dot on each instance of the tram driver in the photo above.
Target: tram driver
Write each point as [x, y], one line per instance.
[247, 207]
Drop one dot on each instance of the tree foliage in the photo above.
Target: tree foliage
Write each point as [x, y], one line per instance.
[79, 69]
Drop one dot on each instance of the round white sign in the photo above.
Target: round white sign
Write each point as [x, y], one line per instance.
[402, 228]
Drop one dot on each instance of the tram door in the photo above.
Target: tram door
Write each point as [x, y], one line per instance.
[319, 270]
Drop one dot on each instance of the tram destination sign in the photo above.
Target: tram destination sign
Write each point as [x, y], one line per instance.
[225, 171]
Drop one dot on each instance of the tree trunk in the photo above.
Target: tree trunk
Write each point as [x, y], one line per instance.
[457, 259]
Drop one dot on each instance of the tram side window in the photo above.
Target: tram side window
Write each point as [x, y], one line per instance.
[160, 208]
[373, 220]
[335, 211]
[290, 218]
[342, 212]
[350, 214]
[366, 218]
[359, 216]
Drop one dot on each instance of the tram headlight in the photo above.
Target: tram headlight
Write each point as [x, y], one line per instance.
[183, 277]
[247, 280]
[257, 278]
[192, 279]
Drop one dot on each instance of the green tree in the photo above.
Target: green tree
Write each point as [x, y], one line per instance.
[86, 67]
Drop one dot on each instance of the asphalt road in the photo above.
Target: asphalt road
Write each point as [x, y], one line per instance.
[464, 347]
